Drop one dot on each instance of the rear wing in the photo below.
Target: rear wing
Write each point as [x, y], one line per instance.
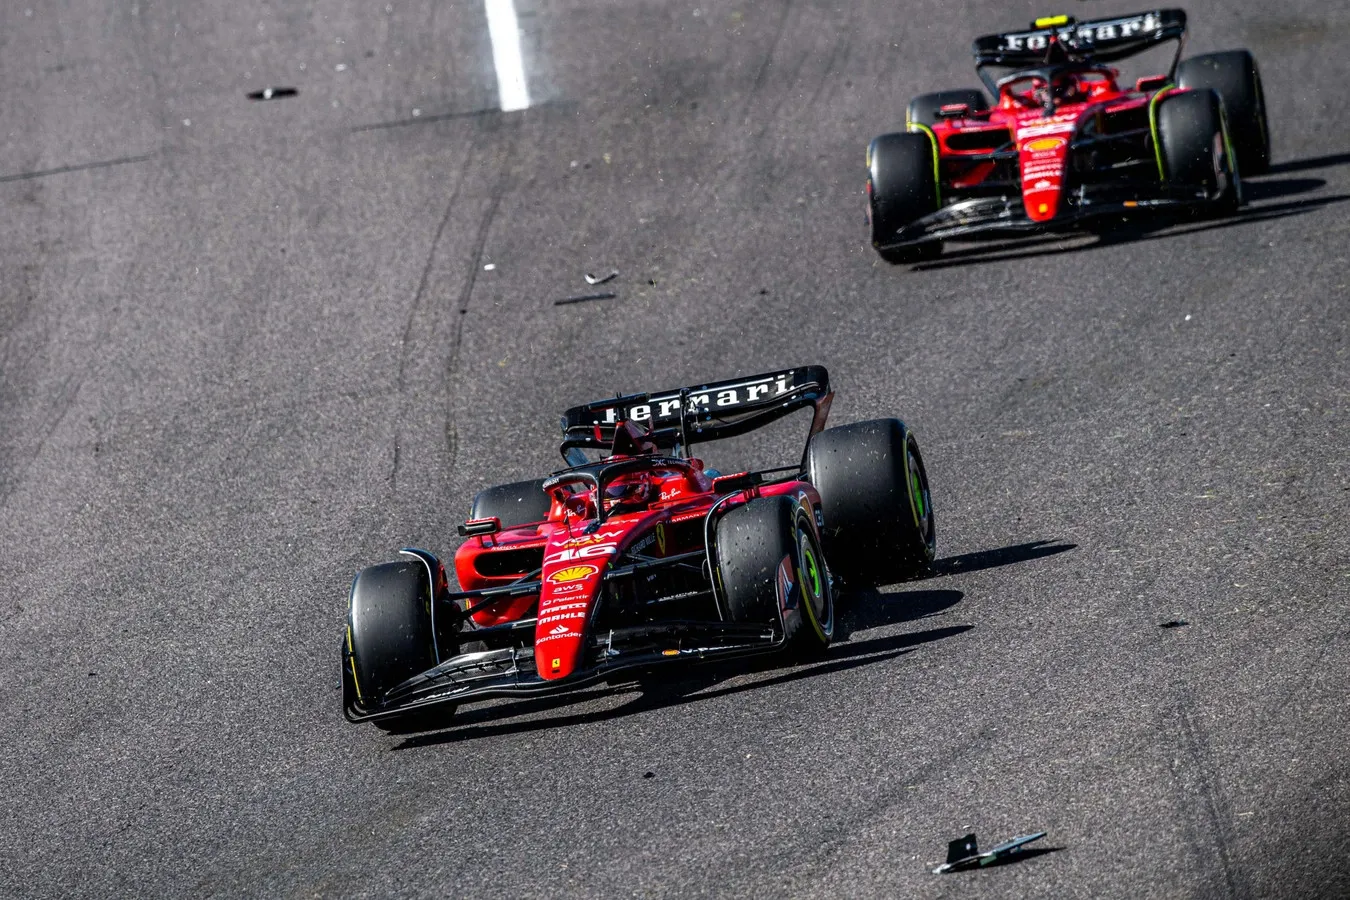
[1095, 40]
[705, 412]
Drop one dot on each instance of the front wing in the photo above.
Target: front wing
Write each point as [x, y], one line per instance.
[510, 672]
[984, 215]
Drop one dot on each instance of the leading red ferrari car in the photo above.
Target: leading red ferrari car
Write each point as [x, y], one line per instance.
[638, 555]
[1064, 142]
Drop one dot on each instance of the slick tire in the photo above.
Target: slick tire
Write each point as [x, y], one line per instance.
[518, 503]
[1233, 74]
[1194, 147]
[767, 543]
[923, 109]
[901, 189]
[390, 636]
[874, 495]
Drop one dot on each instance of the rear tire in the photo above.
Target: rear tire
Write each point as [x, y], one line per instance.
[390, 637]
[874, 495]
[923, 109]
[753, 542]
[1233, 74]
[518, 503]
[901, 189]
[1194, 148]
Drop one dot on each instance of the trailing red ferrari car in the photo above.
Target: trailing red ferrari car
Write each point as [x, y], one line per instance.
[1064, 142]
[637, 555]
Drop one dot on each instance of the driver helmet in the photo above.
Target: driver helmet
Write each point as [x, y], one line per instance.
[1063, 88]
[635, 491]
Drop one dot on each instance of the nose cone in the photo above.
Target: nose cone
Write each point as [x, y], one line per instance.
[573, 573]
[565, 600]
[1042, 158]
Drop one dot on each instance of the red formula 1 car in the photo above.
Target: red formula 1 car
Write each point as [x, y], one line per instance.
[638, 555]
[1064, 142]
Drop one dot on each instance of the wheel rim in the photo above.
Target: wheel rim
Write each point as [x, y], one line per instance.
[815, 587]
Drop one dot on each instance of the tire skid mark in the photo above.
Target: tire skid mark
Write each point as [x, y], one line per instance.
[784, 96]
[65, 402]
[421, 307]
[773, 48]
[78, 167]
[143, 45]
[63, 399]
[462, 308]
[705, 195]
[419, 295]
[1190, 763]
[1195, 784]
[828, 74]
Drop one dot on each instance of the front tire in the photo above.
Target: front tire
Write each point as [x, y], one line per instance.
[1195, 149]
[901, 189]
[390, 637]
[874, 495]
[769, 565]
[1234, 76]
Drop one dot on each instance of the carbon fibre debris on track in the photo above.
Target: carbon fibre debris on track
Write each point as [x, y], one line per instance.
[607, 295]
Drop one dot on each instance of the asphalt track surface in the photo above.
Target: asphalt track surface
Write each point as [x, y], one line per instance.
[247, 348]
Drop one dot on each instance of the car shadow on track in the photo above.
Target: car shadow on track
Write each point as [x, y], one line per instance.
[870, 608]
[861, 610]
[1312, 162]
[1001, 556]
[692, 686]
[858, 611]
[1160, 226]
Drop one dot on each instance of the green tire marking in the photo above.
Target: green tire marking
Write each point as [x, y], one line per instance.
[1153, 128]
[351, 662]
[917, 491]
[937, 169]
[1233, 174]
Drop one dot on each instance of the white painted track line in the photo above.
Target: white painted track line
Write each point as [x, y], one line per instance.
[504, 29]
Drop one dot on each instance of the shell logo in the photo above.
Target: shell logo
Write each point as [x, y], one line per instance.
[1045, 143]
[572, 573]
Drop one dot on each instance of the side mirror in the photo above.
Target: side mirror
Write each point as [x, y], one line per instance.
[740, 481]
[490, 525]
[1150, 83]
[953, 111]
